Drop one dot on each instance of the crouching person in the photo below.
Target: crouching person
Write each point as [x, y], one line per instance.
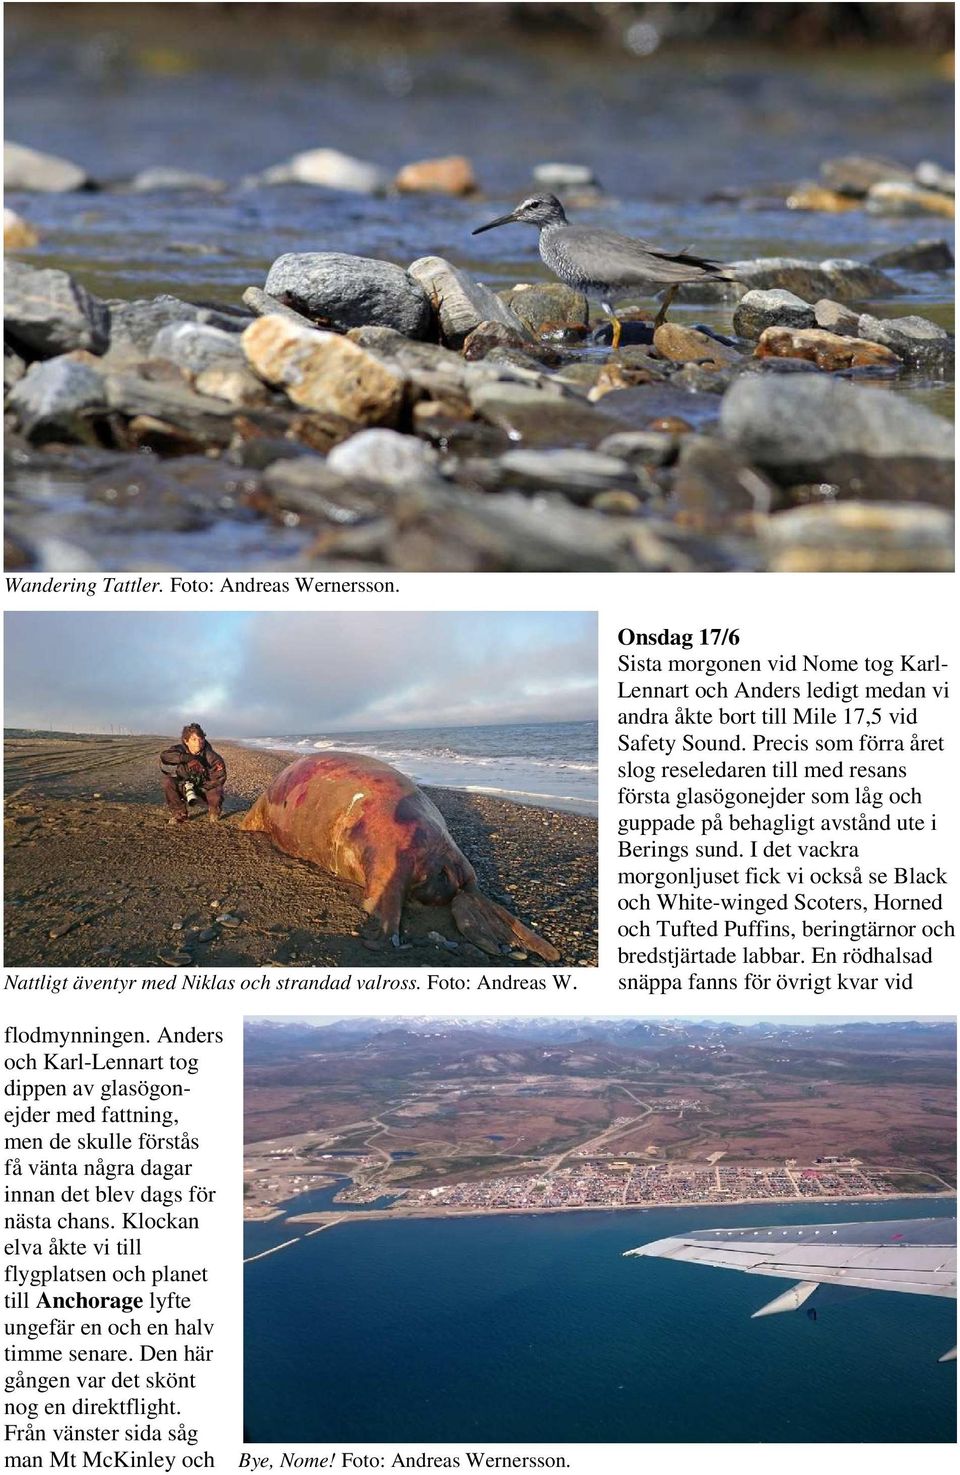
[192, 774]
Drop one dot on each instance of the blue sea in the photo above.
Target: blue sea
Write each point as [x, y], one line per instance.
[549, 764]
[531, 1328]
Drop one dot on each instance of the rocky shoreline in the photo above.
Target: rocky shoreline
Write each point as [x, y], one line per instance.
[408, 417]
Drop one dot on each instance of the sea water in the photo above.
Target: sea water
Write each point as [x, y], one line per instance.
[552, 765]
[534, 1328]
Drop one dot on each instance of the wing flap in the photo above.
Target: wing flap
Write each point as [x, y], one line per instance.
[822, 1255]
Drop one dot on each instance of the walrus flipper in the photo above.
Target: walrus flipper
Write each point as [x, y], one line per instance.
[490, 926]
[384, 905]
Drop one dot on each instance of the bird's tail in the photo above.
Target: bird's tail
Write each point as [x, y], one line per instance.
[683, 268]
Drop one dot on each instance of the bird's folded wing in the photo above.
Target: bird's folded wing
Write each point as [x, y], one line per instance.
[606, 256]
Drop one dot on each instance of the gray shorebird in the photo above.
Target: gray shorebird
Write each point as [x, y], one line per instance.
[602, 263]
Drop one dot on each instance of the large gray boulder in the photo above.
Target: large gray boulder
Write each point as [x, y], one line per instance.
[340, 291]
[46, 312]
[869, 442]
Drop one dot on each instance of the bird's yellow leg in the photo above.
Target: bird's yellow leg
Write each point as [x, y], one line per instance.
[661, 316]
[614, 323]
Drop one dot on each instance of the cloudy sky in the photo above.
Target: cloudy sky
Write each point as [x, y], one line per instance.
[261, 675]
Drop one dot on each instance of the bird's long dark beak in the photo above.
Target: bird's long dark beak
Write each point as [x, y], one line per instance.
[500, 220]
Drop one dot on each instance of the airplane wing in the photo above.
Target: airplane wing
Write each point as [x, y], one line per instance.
[914, 1255]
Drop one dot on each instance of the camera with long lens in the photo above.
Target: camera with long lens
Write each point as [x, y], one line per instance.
[189, 791]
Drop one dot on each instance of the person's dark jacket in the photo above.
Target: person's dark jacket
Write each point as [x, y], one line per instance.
[206, 769]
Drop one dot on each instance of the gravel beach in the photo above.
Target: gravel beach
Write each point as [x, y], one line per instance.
[95, 877]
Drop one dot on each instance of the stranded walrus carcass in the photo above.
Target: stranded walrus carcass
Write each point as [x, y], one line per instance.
[364, 822]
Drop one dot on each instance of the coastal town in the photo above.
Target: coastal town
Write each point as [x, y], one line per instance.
[620, 1183]
[597, 1183]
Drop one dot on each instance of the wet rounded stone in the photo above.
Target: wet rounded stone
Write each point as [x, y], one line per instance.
[449, 176]
[460, 303]
[540, 414]
[28, 169]
[934, 176]
[833, 317]
[683, 345]
[385, 456]
[549, 308]
[914, 338]
[829, 351]
[758, 310]
[234, 383]
[53, 396]
[617, 503]
[558, 176]
[812, 427]
[46, 312]
[579, 475]
[485, 337]
[134, 325]
[329, 169]
[891, 198]
[843, 279]
[322, 371]
[817, 197]
[164, 177]
[17, 234]
[644, 447]
[918, 256]
[146, 494]
[341, 291]
[196, 346]
[854, 174]
[715, 489]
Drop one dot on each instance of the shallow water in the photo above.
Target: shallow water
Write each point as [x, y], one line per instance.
[663, 135]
